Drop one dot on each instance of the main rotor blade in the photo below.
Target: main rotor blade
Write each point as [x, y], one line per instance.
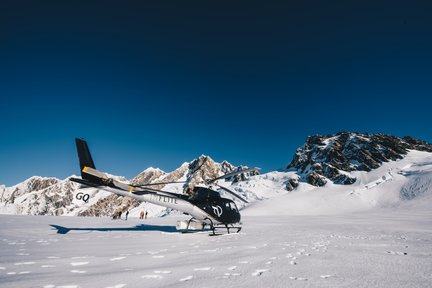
[231, 192]
[157, 183]
[232, 174]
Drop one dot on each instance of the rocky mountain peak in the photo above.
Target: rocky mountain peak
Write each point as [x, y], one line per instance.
[202, 169]
[149, 175]
[332, 156]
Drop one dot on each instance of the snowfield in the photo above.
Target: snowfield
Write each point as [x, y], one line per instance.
[376, 232]
[374, 249]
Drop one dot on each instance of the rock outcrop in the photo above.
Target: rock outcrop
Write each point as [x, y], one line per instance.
[332, 157]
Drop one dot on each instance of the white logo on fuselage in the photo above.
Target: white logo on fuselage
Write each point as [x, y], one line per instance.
[217, 210]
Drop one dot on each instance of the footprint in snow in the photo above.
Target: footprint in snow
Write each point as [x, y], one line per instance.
[79, 263]
[78, 271]
[202, 269]
[117, 286]
[232, 268]
[259, 272]
[162, 272]
[152, 276]
[227, 275]
[158, 256]
[244, 262]
[190, 277]
[397, 253]
[117, 258]
[298, 278]
[63, 286]
[24, 263]
[326, 276]
[48, 266]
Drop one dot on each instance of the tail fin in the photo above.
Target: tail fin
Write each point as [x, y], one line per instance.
[85, 158]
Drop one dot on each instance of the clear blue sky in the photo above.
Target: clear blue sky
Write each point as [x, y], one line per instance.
[158, 83]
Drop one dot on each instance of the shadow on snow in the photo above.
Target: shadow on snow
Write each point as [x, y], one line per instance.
[142, 227]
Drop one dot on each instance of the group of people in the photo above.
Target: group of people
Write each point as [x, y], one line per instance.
[142, 214]
[117, 215]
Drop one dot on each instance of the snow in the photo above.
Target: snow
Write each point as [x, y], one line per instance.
[374, 233]
[383, 248]
[386, 186]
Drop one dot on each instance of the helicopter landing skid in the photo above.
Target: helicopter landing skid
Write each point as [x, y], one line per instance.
[193, 224]
[227, 227]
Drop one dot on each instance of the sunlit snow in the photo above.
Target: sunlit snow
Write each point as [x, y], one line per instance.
[374, 233]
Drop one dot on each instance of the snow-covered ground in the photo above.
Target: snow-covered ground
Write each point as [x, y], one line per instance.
[381, 248]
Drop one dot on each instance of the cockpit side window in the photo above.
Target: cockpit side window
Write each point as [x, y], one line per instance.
[231, 205]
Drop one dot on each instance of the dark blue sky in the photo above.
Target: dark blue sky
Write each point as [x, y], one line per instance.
[157, 83]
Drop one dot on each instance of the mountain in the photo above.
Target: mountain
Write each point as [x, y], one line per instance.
[333, 157]
[38, 196]
[328, 174]
[52, 196]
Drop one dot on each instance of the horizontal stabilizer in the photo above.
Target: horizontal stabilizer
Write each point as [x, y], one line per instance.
[94, 172]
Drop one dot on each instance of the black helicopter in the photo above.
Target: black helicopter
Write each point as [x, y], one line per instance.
[205, 205]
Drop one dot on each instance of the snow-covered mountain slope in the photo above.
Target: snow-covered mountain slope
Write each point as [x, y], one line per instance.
[407, 181]
[333, 157]
[38, 196]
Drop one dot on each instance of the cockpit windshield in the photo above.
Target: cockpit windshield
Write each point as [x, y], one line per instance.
[231, 206]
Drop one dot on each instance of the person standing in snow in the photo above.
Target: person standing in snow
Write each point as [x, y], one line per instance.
[119, 215]
[142, 214]
[127, 214]
[146, 215]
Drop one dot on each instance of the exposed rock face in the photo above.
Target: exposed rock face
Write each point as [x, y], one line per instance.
[148, 176]
[110, 205]
[291, 184]
[331, 156]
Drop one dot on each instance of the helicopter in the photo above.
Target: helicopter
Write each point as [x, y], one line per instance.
[204, 204]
